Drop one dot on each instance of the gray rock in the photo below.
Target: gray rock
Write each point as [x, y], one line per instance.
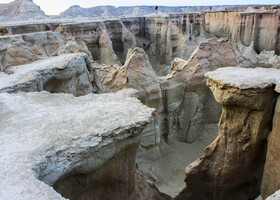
[70, 73]
[3, 62]
[45, 137]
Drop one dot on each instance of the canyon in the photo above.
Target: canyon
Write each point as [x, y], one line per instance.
[178, 104]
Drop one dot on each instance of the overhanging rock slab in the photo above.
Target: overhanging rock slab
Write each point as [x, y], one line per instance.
[44, 136]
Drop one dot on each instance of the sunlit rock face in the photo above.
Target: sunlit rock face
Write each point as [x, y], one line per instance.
[248, 99]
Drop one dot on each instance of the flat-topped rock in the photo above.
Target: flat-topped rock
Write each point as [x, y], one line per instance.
[68, 73]
[245, 78]
[45, 136]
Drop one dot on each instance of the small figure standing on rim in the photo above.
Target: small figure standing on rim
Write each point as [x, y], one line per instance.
[156, 9]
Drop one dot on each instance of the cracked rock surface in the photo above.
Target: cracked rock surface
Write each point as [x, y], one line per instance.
[46, 136]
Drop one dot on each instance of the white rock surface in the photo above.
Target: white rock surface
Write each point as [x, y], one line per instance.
[70, 73]
[45, 136]
[275, 196]
[245, 78]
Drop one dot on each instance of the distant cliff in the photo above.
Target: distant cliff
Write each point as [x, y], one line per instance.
[21, 8]
[111, 11]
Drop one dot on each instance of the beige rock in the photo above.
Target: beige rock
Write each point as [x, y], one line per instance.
[112, 77]
[73, 46]
[19, 53]
[239, 150]
[141, 76]
[166, 42]
[245, 27]
[137, 73]
[271, 176]
[108, 40]
[107, 54]
[128, 40]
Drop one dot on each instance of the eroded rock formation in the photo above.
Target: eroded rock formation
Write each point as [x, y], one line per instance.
[27, 48]
[136, 73]
[71, 73]
[191, 111]
[248, 98]
[70, 138]
[245, 27]
[186, 109]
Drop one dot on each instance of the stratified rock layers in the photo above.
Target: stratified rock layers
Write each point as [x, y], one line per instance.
[260, 27]
[232, 166]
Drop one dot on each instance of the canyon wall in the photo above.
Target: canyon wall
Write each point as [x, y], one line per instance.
[165, 37]
[154, 56]
[248, 99]
[260, 27]
[191, 111]
[162, 38]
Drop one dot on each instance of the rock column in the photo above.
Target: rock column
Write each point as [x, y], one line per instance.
[231, 167]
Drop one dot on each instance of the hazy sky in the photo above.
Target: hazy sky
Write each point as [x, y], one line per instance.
[52, 7]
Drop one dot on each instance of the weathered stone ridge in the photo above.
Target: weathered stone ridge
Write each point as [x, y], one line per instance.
[71, 73]
[27, 48]
[56, 135]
